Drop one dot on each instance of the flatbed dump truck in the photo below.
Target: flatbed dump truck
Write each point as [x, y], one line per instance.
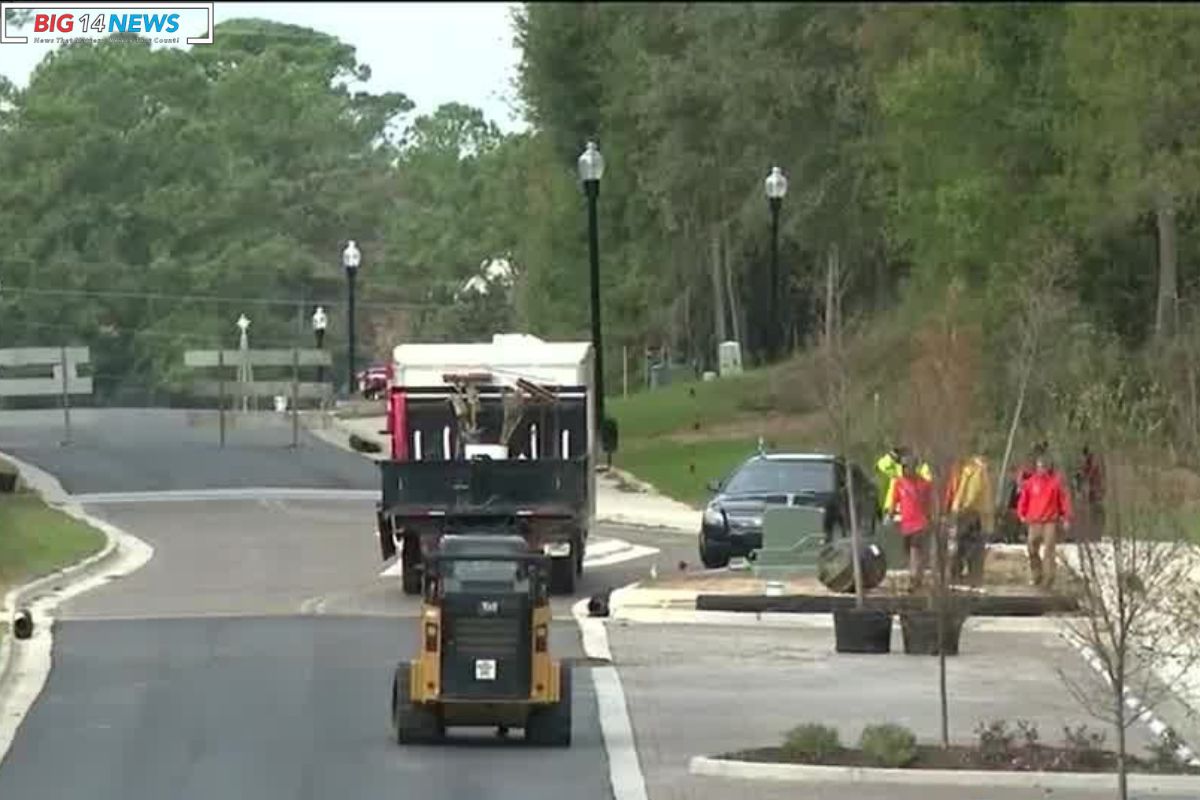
[494, 436]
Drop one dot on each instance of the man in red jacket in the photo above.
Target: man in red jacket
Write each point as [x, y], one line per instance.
[1043, 505]
[913, 501]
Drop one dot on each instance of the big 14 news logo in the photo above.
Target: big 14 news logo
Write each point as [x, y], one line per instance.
[163, 23]
[104, 22]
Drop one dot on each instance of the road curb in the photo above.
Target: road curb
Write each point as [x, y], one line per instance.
[81, 570]
[37, 596]
[967, 779]
[616, 729]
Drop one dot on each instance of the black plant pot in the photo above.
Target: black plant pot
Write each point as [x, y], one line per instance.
[862, 630]
[920, 632]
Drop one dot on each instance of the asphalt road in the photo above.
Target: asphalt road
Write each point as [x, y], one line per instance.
[266, 709]
[252, 656]
[131, 450]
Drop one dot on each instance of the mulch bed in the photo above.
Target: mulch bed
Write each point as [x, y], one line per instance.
[1037, 759]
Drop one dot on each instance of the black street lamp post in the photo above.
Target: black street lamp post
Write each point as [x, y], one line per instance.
[591, 169]
[351, 259]
[776, 188]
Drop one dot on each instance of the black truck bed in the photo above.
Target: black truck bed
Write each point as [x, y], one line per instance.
[485, 488]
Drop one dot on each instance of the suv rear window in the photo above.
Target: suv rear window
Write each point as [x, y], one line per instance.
[781, 477]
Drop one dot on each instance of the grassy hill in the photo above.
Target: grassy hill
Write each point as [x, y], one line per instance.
[682, 436]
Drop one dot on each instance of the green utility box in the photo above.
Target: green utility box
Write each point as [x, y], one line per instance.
[888, 537]
[792, 540]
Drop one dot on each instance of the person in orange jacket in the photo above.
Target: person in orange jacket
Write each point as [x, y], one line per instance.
[1043, 505]
[912, 501]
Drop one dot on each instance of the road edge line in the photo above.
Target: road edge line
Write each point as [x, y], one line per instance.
[624, 767]
[24, 671]
[876, 776]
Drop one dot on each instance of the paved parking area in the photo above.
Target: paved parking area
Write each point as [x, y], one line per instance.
[706, 690]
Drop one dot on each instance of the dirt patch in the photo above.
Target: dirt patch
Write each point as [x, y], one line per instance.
[1039, 758]
[771, 426]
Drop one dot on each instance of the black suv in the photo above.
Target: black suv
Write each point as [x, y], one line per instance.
[733, 519]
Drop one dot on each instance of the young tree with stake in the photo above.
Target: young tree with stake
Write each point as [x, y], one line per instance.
[941, 400]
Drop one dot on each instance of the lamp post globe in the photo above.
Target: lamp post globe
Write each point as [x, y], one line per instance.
[776, 184]
[319, 323]
[591, 164]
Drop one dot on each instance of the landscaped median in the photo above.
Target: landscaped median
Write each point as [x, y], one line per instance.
[37, 540]
[1005, 756]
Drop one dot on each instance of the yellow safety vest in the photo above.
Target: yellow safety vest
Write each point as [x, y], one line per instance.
[884, 465]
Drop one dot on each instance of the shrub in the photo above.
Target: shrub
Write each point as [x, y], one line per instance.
[995, 741]
[888, 745]
[811, 743]
[1086, 746]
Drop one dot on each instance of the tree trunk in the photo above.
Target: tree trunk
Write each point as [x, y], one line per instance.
[855, 536]
[1027, 370]
[1119, 704]
[734, 306]
[831, 291]
[881, 280]
[1166, 312]
[718, 290]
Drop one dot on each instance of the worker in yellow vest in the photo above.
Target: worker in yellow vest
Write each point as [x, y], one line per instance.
[890, 468]
[971, 508]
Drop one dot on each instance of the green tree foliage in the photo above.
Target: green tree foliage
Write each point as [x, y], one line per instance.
[924, 144]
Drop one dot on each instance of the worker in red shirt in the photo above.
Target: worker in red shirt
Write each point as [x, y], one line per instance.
[1043, 505]
[913, 503]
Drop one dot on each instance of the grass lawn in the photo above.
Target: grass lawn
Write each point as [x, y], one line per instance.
[683, 470]
[682, 436]
[36, 540]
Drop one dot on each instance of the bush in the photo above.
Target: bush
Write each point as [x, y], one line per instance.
[1086, 746]
[888, 745]
[995, 741]
[1164, 751]
[812, 743]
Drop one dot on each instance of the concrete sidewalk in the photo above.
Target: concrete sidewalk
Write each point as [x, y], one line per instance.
[621, 499]
[710, 689]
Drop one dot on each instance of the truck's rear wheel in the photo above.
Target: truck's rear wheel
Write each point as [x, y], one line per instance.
[562, 575]
[551, 725]
[411, 723]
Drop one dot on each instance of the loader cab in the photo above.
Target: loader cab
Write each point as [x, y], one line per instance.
[484, 655]
[498, 567]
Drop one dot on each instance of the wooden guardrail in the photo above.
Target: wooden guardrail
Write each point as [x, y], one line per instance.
[242, 385]
[60, 368]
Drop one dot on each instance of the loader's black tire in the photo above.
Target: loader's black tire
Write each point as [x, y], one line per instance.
[411, 723]
[550, 726]
[410, 566]
[562, 576]
[410, 579]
